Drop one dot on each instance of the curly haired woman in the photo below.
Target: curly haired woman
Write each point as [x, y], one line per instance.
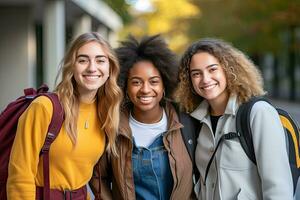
[153, 161]
[214, 80]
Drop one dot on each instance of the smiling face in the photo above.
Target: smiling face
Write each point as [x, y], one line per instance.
[208, 78]
[91, 70]
[145, 88]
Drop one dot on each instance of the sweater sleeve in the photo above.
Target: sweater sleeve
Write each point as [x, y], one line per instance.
[24, 158]
[271, 154]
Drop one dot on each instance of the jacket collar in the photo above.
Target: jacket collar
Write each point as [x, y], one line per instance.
[203, 109]
[173, 120]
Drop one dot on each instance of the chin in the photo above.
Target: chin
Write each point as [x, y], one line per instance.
[145, 108]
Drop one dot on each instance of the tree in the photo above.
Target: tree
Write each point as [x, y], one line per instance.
[169, 18]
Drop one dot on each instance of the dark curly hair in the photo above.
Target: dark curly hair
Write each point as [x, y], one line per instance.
[153, 49]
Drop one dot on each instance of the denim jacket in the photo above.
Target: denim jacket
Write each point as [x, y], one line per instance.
[117, 181]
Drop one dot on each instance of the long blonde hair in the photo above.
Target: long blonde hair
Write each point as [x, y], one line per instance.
[243, 77]
[109, 95]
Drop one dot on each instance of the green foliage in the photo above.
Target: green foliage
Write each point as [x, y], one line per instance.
[254, 25]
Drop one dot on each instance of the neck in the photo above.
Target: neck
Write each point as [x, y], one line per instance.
[87, 98]
[148, 117]
[217, 107]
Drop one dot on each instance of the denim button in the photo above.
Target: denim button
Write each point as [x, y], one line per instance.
[190, 141]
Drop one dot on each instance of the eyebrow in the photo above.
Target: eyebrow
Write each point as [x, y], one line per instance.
[136, 77]
[86, 56]
[208, 66]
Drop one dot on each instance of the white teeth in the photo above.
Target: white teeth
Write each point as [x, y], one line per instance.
[209, 87]
[145, 98]
[91, 76]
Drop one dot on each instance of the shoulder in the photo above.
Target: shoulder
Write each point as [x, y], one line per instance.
[264, 114]
[42, 103]
[263, 108]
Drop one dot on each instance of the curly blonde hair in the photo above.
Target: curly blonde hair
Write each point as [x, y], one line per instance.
[109, 96]
[243, 77]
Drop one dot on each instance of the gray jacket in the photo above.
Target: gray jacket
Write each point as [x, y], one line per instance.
[232, 175]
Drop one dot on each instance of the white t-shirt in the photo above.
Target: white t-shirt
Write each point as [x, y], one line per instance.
[145, 134]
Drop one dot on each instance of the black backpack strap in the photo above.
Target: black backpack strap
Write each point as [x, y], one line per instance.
[190, 132]
[53, 130]
[243, 126]
[228, 136]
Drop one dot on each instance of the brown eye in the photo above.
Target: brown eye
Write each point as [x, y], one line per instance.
[100, 61]
[82, 61]
[136, 82]
[155, 81]
[213, 69]
[195, 74]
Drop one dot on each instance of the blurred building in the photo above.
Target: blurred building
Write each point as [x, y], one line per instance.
[35, 33]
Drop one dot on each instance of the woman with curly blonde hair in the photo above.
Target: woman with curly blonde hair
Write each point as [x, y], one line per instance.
[214, 80]
[90, 98]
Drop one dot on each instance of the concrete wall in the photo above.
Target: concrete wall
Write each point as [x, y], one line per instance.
[28, 23]
[17, 53]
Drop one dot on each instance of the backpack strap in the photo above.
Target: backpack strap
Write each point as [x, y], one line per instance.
[190, 133]
[243, 126]
[53, 130]
[228, 136]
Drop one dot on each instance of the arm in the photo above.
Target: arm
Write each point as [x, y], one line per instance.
[102, 178]
[271, 154]
[24, 158]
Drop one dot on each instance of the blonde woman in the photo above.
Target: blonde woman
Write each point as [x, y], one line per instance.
[214, 79]
[90, 99]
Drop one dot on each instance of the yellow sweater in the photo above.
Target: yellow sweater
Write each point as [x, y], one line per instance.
[71, 166]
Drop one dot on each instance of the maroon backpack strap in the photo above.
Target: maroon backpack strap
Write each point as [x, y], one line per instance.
[53, 130]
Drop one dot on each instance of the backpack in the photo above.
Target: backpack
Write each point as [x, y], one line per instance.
[8, 125]
[291, 129]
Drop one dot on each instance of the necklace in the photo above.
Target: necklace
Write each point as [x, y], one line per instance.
[86, 122]
[88, 107]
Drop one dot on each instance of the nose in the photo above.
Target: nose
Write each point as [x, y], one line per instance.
[205, 77]
[145, 87]
[92, 66]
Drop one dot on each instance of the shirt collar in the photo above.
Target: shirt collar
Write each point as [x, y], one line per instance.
[202, 110]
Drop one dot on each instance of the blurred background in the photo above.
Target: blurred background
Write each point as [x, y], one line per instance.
[35, 33]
